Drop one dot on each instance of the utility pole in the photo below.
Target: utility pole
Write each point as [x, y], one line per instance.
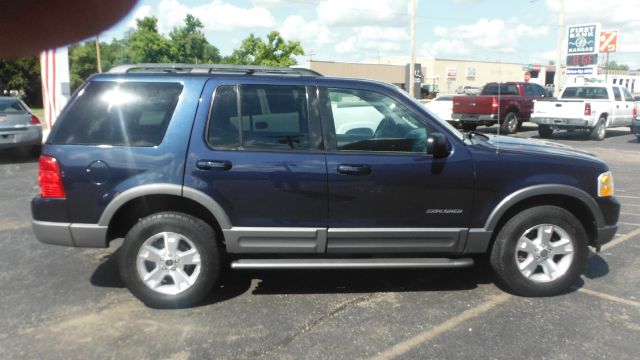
[556, 78]
[412, 65]
[98, 53]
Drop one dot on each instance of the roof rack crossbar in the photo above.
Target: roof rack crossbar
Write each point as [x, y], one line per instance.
[212, 69]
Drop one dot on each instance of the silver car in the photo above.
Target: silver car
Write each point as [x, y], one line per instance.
[19, 128]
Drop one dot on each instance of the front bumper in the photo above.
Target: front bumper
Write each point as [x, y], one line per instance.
[605, 235]
[69, 234]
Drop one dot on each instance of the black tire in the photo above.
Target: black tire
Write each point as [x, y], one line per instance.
[599, 132]
[469, 127]
[199, 233]
[545, 131]
[503, 253]
[510, 123]
[519, 128]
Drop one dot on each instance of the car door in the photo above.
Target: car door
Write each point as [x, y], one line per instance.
[629, 105]
[618, 108]
[256, 152]
[386, 194]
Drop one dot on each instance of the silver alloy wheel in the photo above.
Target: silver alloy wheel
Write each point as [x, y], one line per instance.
[168, 263]
[602, 128]
[512, 123]
[544, 253]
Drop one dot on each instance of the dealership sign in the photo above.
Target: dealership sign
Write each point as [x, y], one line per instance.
[583, 39]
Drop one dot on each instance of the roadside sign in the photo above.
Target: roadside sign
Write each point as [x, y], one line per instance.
[582, 39]
[587, 70]
[452, 73]
[609, 41]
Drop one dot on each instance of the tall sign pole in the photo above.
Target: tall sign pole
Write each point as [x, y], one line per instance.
[556, 78]
[412, 65]
[99, 61]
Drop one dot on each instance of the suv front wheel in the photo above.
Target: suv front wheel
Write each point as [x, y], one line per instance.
[170, 260]
[540, 252]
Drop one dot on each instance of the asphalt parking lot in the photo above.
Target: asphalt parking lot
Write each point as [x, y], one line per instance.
[69, 303]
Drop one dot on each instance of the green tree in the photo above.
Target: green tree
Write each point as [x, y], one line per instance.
[23, 75]
[274, 52]
[188, 44]
[145, 44]
[612, 65]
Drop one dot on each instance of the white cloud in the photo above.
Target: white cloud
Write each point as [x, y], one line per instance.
[363, 12]
[141, 12]
[216, 15]
[295, 27]
[486, 36]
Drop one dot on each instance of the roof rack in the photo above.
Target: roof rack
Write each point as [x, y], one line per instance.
[212, 69]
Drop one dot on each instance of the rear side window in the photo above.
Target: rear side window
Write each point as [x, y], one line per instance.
[616, 94]
[119, 114]
[270, 117]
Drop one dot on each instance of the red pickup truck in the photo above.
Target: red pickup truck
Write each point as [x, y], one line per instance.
[507, 103]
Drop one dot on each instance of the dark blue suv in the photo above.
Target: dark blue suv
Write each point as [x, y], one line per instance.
[202, 167]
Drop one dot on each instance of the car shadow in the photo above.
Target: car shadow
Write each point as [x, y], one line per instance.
[235, 283]
[277, 282]
[12, 156]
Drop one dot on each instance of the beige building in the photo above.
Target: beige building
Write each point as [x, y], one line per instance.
[446, 75]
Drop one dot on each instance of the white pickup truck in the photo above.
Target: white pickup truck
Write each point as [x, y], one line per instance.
[591, 107]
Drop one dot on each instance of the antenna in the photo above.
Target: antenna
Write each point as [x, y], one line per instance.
[499, 100]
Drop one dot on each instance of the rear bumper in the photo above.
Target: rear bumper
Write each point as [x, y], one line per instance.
[69, 234]
[23, 136]
[565, 122]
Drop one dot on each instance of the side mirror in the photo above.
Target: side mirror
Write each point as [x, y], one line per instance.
[438, 146]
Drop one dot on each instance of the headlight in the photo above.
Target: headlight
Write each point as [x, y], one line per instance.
[605, 184]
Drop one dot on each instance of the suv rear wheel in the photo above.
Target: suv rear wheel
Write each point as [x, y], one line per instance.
[540, 252]
[510, 123]
[170, 260]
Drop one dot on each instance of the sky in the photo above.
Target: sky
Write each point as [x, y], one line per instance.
[520, 31]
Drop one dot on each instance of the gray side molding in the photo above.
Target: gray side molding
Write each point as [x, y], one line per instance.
[544, 189]
[165, 189]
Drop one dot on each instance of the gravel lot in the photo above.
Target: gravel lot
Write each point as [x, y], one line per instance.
[69, 303]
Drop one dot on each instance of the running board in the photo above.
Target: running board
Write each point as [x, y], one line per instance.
[381, 263]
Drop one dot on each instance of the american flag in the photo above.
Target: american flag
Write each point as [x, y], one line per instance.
[54, 67]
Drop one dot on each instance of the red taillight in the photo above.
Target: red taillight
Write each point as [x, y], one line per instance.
[587, 108]
[49, 178]
[35, 120]
[494, 103]
[635, 111]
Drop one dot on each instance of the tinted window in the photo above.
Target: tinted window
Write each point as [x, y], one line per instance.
[369, 121]
[11, 106]
[119, 114]
[585, 92]
[616, 94]
[503, 89]
[528, 90]
[538, 91]
[627, 95]
[270, 117]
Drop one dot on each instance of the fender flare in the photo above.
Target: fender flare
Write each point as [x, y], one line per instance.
[543, 189]
[165, 189]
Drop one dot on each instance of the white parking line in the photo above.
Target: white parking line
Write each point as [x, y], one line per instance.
[628, 213]
[628, 223]
[628, 197]
[412, 343]
[609, 297]
[621, 239]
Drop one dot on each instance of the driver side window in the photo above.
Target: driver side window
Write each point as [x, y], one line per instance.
[369, 121]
